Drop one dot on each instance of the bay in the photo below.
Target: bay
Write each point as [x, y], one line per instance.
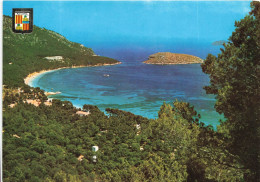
[133, 86]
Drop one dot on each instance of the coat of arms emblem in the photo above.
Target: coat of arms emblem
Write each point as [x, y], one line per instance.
[22, 20]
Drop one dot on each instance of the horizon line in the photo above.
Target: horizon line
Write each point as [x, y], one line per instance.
[140, 0]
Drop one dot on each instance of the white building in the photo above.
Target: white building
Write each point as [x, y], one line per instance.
[94, 148]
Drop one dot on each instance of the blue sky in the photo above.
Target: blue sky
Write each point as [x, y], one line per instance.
[102, 22]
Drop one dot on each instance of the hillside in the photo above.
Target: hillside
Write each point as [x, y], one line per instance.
[51, 141]
[26, 53]
[172, 58]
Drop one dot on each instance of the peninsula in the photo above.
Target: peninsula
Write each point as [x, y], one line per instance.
[172, 58]
[40, 51]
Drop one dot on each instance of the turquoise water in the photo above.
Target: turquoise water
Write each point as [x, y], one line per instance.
[132, 86]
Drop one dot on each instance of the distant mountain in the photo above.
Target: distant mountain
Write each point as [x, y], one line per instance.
[26, 53]
[172, 58]
[219, 42]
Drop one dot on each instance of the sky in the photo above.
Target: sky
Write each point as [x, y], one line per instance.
[100, 23]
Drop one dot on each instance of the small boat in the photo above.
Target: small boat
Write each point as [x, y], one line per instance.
[106, 75]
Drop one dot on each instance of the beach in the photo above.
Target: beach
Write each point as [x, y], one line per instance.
[28, 80]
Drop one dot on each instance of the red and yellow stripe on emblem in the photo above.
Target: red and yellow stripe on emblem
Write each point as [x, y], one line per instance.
[25, 26]
[18, 19]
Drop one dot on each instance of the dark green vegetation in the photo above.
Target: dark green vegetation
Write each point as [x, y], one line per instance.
[25, 53]
[234, 78]
[43, 143]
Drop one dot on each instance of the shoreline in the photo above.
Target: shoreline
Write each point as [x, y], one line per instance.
[29, 78]
[169, 63]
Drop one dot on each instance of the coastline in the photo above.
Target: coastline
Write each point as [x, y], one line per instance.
[169, 63]
[29, 78]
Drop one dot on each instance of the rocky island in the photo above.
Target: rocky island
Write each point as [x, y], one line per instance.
[172, 58]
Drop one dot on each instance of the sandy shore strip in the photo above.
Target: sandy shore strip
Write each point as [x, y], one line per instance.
[28, 80]
[51, 93]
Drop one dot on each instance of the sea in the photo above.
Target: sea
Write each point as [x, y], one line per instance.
[134, 86]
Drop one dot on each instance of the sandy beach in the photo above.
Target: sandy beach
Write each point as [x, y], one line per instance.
[28, 80]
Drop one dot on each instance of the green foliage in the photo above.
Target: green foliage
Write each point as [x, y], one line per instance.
[46, 143]
[234, 79]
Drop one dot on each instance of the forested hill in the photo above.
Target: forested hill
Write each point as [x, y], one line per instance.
[25, 53]
[52, 141]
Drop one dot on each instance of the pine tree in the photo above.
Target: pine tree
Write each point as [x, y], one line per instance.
[234, 79]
